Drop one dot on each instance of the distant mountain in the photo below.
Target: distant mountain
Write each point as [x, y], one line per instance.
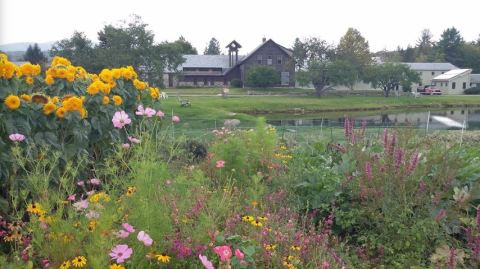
[22, 46]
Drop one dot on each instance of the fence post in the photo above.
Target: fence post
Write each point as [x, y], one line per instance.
[428, 122]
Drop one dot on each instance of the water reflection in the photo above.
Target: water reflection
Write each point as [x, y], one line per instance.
[414, 118]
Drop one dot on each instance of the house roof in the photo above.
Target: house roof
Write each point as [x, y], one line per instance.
[208, 61]
[431, 66]
[452, 74]
[475, 78]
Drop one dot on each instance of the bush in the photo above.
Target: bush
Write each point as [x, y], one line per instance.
[262, 76]
[473, 90]
[236, 83]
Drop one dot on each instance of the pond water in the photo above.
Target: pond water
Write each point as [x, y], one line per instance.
[438, 119]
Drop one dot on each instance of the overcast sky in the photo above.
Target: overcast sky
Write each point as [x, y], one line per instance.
[384, 23]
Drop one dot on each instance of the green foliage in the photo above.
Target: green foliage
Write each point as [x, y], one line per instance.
[354, 50]
[389, 76]
[450, 44]
[213, 47]
[78, 49]
[236, 83]
[262, 77]
[473, 90]
[34, 55]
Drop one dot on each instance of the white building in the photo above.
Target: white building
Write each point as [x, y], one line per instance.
[428, 71]
[453, 82]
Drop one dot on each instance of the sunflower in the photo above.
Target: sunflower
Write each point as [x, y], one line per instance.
[65, 265]
[163, 258]
[79, 261]
[49, 80]
[12, 102]
[26, 98]
[39, 98]
[105, 100]
[49, 108]
[83, 113]
[116, 266]
[117, 100]
[155, 93]
[29, 80]
[73, 103]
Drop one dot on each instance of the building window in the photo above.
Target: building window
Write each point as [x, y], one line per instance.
[279, 59]
[453, 85]
[433, 73]
[269, 60]
[464, 85]
[446, 84]
[259, 59]
[441, 84]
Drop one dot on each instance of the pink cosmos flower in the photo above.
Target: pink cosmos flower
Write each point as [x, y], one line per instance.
[120, 119]
[81, 183]
[120, 253]
[134, 140]
[224, 252]
[127, 227]
[150, 112]
[126, 146]
[145, 238]
[16, 137]
[220, 164]
[176, 119]
[206, 263]
[72, 197]
[122, 234]
[95, 181]
[160, 114]
[80, 205]
[239, 254]
[140, 111]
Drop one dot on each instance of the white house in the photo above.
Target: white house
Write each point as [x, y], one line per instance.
[453, 82]
[428, 71]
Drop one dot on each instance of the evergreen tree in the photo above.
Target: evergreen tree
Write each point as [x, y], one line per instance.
[450, 45]
[213, 47]
[34, 55]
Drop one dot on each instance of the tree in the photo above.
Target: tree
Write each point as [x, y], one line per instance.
[450, 45]
[313, 57]
[408, 55]
[354, 50]
[391, 76]
[213, 47]
[34, 55]
[185, 46]
[343, 73]
[262, 77]
[79, 50]
[471, 57]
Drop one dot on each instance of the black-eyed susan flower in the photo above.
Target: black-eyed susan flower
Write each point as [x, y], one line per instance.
[65, 265]
[116, 266]
[163, 258]
[248, 218]
[79, 261]
[35, 208]
[256, 223]
[295, 248]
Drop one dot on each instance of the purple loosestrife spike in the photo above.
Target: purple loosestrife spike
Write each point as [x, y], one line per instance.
[385, 139]
[413, 163]
[368, 170]
[391, 146]
[451, 259]
[346, 127]
[399, 158]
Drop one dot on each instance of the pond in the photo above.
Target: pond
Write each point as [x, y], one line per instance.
[437, 119]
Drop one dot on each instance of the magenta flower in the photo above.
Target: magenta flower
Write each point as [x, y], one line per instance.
[120, 253]
[220, 164]
[239, 254]
[134, 140]
[72, 197]
[120, 119]
[176, 119]
[95, 181]
[368, 170]
[145, 238]
[325, 265]
[206, 263]
[122, 234]
[125, 146]
[127, 227]
[224, 252]
[160, 114]
[140, 111]
[16, 137]
[150, 112]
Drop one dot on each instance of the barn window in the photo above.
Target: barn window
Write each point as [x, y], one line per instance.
[279, 59]
[453, 85]
[259, 59]
[269, 60]
[433, 73]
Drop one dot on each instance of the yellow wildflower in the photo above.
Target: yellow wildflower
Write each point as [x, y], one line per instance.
[163, 258]
[79, 261]
[61, 112]
[26, 98]
[49, 108]
[12, 102]
[117, 100]
[105, 100]
[65, 265]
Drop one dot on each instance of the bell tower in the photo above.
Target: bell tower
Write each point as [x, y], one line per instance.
[233, 49]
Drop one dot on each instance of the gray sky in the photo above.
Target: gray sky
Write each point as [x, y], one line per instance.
[384, 23]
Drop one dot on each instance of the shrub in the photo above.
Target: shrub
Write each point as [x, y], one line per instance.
[262, 76]
[473, 90]
[236, 83]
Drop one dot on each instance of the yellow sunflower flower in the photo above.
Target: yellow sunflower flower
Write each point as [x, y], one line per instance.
[49, 108]
[25, 97]
[61, 112]
[105, 100]
[12, 102]
[117, 100]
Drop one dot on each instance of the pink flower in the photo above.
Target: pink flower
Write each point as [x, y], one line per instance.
[325, 265]
[160, 114]
[72, 197]
[205, 262]
[220, 164]
[368, 170]
[224, 252]
[95, 181]
[81, 183]
[90, 193]
[150, 112]
[140, 111]
[145, 238]
[122, 234]
[127, 227]
[126, 146]
[120, 119]
[239, 254]
[120, 253]
[176, 119]
[16, 137]
[134, 140]
[80, 205]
